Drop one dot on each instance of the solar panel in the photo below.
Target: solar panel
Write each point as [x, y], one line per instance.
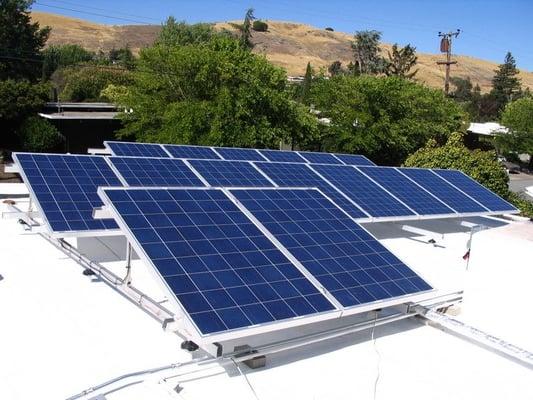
[225, 273]
[408, 192]
[199, 152]
[352, 265]
[145, 171]
[237, 154]
[282, 156]
[475, 190]
[136, 149]
[320, 158]
[65, 189]
[437, 186]
[369, 196]
[354, 159]
[290, 175]
[230, 173]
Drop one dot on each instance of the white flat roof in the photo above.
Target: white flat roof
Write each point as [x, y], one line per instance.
[62, 332]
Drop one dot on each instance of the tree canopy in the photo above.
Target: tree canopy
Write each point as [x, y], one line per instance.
[21, 41]
[400, 61]
[367, 58]
[174, 33]
[505, 83]
[518, 118]
[216, 93]
[385, 118]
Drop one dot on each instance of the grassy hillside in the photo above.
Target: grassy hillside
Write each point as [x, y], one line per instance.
[288, 45]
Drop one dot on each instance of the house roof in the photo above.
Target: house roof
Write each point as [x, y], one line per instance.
[487, 128]
[63, 332]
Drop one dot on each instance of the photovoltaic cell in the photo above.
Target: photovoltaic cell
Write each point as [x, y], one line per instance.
[230, 173]
[319, 158]
[223, 270]
[369, 196]
[443, 190]
[136, 149]
[198, 152]
[229, 153]
[282, 156]
[145, 171]
[352, 265]
[354, 159]
[478, 192]
[65, 188]
[407, 191]
[290, 175]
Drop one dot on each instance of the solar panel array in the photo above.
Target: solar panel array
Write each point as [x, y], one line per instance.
[231, 153]
[226, 271]
[245, 238]
[65, 189]
[222, 269]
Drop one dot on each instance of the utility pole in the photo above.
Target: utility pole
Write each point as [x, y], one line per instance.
[446, 47]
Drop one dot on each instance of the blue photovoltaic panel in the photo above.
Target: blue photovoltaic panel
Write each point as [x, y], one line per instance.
[223, 270]
[403, 188]
[290, 175]
[352, 265]
[230, 173]
[443, 190]
[319, 158]
[478, 192]
[136, 149]
[65, 187]
[145, 171]
[369, 196]
[282, 156]
[199, 152]
[229, 153]
[354, 159]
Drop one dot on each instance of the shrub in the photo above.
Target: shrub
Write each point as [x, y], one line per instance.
[39, 135]
[260, 26]
[330, 29]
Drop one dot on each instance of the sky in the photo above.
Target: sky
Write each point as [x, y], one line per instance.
[489, 28]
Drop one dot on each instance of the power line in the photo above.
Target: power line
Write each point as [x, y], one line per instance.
[92, 13]
[106, 10]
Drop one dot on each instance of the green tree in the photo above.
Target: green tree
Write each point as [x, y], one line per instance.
[260, 26]
[213, 94]
[505, 83]
[483, 166]
[518, 118]
[401, 61]
[122, 57]
[385, 118]
[246, 33]
[305, 87]
[39, 135]
[175, 33]
[335, 68]
[57, 56]
[86, 82]
[18, 100]
[366, 51]
[21, 41]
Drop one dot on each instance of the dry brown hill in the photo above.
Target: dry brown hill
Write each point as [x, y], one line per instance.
[289, 45]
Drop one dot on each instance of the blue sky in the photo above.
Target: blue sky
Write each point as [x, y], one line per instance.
[489, 28]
